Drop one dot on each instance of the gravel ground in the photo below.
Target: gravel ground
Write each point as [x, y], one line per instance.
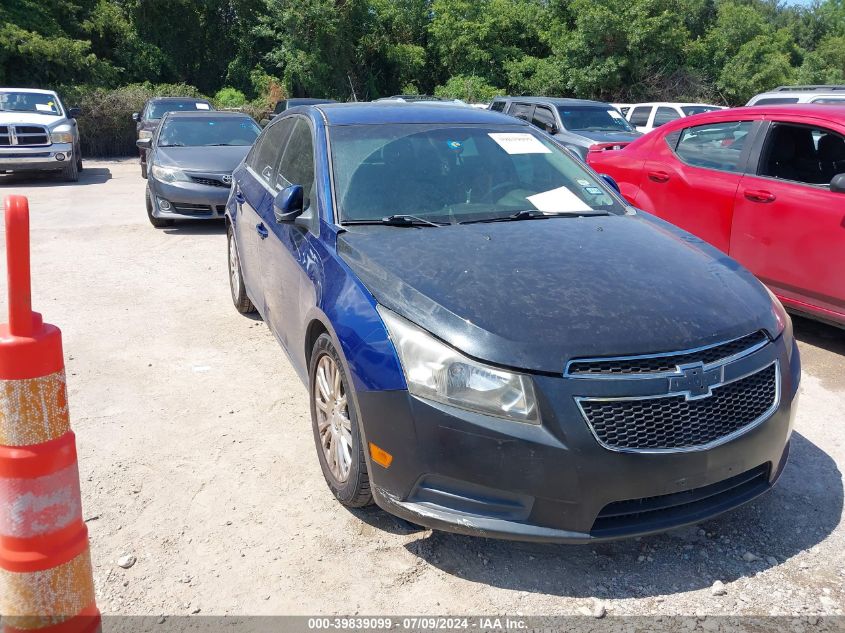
[196, 459]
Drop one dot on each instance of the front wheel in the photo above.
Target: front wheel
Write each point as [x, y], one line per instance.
[337, 434]
[70, 172]
[236, 278]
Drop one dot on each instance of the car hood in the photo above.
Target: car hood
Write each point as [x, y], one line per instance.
[534, 294]
[205, 159]
[27, 118]
[610, 137]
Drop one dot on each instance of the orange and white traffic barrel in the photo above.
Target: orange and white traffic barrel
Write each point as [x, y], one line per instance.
[46, 580]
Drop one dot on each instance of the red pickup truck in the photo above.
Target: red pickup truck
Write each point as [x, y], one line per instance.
[764, 184]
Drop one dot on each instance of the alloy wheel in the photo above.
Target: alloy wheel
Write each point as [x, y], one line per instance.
[333, 423]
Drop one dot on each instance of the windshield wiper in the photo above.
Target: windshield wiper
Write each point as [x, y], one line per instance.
[218, 144]
[399, 220]
[172, 145]
[533, 214]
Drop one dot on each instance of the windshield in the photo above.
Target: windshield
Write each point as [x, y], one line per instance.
[456, 173]
[690, 110]
[205, 131]
[158, 109]
[37, 102]
[593, 119]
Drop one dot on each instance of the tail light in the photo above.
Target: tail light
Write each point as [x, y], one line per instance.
[602, 147]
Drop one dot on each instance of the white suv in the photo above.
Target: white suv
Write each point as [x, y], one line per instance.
[647, 116]
[37, 133]
[800, 94]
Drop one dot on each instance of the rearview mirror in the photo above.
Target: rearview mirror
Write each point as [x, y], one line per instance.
[610, 181]
[135, 116]
[143, 143]
[288, 204]
[837, 185]
[74, 112]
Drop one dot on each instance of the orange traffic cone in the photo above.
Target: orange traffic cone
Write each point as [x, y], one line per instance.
[46, 582]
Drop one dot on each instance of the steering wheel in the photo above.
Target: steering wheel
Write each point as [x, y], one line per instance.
[502, 186]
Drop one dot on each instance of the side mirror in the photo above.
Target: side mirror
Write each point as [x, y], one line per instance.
[288, 204]
[136, 116]
[143, 143]
[74, 112]
[837, 185]
[610, 181]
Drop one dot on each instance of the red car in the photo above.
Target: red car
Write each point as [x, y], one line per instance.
[766, 185]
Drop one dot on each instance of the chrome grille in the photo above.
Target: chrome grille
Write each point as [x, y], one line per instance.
[674, 422]
[23, 135]
[666, 363]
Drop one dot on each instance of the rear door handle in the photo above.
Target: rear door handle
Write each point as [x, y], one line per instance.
[759, 195]
[261, 230]
[658, 176]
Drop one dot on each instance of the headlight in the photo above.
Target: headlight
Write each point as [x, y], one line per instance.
[779, 313]
[168, 174]
[438, 372]
[61, 137]
[145, 134]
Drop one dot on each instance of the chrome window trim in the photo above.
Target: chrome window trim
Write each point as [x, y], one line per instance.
[689, 449]
[663, 374]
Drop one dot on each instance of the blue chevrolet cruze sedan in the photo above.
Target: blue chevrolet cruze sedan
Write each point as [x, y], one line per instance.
[493, 342]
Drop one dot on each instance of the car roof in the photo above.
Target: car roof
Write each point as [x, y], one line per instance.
[554, 100]
[202, 99]
[399, 112]
[674, 103]
[32, 90]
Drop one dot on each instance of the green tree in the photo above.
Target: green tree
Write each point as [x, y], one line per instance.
[469, 88]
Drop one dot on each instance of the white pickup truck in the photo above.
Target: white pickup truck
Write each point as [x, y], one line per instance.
[37, 133]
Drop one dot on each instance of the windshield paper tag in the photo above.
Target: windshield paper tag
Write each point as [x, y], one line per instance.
[202, 106]
[519, 143]
[43, 107]
[560, 200]
[615, 114]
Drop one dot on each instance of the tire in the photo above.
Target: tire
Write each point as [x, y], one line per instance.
[70, 172]
[159, 223]
[236, 278]
[79, 166]
[336, 427]
[144, 170]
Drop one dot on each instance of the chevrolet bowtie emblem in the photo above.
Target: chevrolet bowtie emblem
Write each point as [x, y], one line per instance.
[694, 382]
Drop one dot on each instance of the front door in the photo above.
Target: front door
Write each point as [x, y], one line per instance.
[789, 228]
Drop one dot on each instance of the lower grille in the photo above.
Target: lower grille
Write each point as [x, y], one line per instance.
[666, 511]
[198, 210]
[674, 423]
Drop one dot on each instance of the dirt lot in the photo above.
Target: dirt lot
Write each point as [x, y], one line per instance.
[196, 457]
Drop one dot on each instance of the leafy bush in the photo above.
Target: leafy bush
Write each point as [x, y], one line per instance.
[470, 88]
[229, 98]
[106, 127]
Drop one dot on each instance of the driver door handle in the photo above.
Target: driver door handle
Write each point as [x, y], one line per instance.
[658, 176]
[759, 195]
[261, 230]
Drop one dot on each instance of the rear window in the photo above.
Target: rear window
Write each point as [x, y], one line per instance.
[828, 100]
[775, 100]
[714, 145]
[639, 116]
[158, 109]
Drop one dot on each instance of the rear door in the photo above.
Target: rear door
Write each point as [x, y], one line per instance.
[692, 175]
[789, 228]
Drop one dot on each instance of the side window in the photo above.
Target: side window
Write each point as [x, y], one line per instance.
[639, 116]
[297, 164]
[498, 106]
[265, 158]
[664, 115]
[775, 100]
[543, 119]
[521, 111]
[714, 145]
[802, 154]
